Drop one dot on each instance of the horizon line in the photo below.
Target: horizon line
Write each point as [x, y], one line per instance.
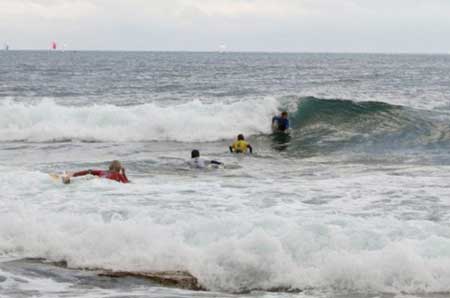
[227, 51]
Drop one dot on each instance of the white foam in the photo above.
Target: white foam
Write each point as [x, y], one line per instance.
[259, 258]
[269, 223]
[186, 122]
[226, 237]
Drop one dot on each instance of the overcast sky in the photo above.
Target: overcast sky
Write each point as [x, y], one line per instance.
[421, 26]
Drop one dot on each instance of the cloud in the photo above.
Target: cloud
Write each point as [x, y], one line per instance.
[46, 9]
[279, 25]
[173, 9]
[224, 8]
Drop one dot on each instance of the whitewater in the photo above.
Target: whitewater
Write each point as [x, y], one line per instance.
[354, 202]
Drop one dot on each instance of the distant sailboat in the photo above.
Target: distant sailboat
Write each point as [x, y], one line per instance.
[222, 48]
[54, 45]
[6, 47]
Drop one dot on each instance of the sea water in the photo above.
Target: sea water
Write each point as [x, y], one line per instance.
[354, 202]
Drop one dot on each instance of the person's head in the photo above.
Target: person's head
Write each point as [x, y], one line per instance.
[115, 166]
[240, 137]
[195, 153]
[284, 114]
[65, 179]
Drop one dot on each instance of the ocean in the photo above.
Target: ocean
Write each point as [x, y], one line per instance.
[354, 202]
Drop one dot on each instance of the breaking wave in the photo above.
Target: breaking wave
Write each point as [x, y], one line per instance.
[188, 122]
[318, 125]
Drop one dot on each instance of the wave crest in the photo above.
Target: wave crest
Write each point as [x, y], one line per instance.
[188, 122]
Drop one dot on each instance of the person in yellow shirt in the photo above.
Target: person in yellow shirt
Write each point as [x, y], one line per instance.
[240, 145]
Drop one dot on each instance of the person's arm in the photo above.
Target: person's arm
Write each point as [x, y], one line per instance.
[250, 148]
[124, 178]
[273, 119]
[86, 172]
[287, 123]
[231, 149]
[215, 162]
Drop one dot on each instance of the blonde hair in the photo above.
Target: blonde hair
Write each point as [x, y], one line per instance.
[115, 166]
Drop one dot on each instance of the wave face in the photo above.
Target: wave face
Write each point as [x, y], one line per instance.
[188, 122]
[332, 124]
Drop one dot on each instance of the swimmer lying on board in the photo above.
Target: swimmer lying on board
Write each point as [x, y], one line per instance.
[240, 145]
[199, 163]
[116, 172]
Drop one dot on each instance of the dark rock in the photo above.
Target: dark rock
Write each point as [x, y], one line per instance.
[174, 279]
[177, 279]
